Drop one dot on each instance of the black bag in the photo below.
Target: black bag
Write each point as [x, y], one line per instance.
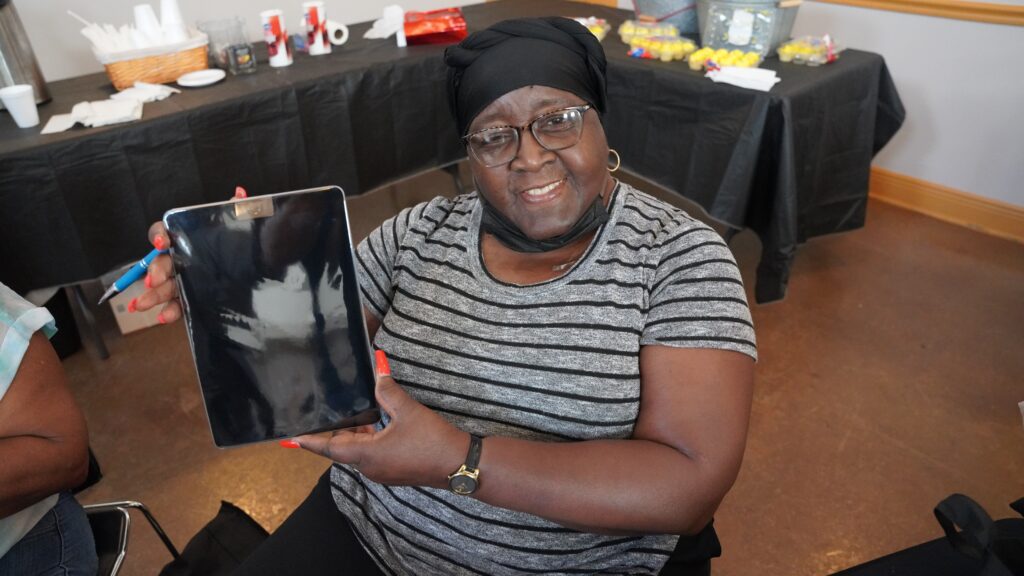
[981, 547]
[220, 547]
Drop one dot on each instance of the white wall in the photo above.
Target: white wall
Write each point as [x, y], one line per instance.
[63, 52]
[962, 84]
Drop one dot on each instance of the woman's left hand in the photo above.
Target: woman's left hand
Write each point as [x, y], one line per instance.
[417, 448]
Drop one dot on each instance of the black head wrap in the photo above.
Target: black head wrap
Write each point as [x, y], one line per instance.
[555, 52]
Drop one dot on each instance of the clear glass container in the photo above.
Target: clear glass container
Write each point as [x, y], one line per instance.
[229, 48]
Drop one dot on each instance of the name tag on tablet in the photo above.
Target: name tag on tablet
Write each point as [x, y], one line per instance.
[273, 312]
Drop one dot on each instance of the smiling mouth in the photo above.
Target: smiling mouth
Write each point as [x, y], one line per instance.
[542, 193]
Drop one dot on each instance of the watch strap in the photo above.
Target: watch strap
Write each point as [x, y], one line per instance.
[476, 446]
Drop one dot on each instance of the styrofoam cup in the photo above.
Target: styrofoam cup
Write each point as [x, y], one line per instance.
[170, 13]
[146, 22]
[20, 101]
[171, 22]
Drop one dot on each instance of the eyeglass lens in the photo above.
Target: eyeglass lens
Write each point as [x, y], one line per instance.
[555, 131]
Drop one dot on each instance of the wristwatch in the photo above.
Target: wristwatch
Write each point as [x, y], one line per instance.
[466, 479]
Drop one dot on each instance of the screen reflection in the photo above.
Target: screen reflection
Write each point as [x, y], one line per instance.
[273, 314]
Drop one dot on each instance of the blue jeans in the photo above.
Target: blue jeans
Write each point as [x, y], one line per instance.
[60, 544]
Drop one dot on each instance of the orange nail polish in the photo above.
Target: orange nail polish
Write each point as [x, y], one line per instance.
[131, 305]
[148, 282]
[383, 369]
[159, 243]
[160, 318]
[290, 444]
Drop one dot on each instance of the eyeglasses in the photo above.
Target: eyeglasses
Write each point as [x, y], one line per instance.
[555, 130]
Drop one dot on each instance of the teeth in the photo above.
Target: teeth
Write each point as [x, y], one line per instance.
[543, 190]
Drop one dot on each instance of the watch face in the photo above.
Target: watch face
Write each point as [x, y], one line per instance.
[461, 484]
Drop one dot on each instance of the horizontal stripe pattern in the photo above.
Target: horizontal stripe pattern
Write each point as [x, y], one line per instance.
[556, 361]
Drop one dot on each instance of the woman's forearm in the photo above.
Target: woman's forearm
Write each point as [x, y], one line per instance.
[685, 454]
[35, 467]
[604, 486]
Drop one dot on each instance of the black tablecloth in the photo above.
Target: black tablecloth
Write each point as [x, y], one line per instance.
[790, 164]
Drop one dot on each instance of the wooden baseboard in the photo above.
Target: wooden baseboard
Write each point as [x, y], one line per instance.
[991, 12]
[948, 204]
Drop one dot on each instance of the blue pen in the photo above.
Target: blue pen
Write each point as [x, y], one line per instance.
[131, 276]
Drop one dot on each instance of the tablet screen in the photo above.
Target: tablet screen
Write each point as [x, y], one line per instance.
[273, 313]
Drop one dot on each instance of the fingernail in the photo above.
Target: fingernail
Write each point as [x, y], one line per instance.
[160, 318]
[131, 305]
[159, 242]
[383, 369]
[290, 444]
[240, 192]
[148, 282]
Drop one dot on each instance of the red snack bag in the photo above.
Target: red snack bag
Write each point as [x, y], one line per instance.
[445, 26]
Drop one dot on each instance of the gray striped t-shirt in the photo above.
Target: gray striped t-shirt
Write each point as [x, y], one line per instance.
[556, 361]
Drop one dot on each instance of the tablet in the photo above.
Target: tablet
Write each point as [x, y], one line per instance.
[274, 316]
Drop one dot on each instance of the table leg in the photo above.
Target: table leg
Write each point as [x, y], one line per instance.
[87, 327]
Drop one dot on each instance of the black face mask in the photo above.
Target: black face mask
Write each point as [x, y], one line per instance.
[495, 223]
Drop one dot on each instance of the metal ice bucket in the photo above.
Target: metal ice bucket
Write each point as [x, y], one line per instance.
[17, 61]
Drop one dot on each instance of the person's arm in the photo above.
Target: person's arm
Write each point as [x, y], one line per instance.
[43, 438]
[670, 477]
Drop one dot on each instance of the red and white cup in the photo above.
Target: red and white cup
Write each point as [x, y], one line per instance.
[314, 17]
[276, 36]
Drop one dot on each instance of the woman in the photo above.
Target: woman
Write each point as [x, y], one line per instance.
[572, 359]
[44, 451]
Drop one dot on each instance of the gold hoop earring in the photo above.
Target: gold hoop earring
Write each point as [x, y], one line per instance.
[618, 160]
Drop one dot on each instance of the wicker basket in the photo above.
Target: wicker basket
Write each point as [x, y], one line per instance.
[158, 69]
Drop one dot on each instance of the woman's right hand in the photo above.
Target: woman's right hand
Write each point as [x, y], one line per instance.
[160, 288]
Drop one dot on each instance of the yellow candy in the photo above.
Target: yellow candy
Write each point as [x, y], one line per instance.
[736, 53]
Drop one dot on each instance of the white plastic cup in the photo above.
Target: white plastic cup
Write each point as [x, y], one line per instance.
[146, 22]
[276, 36]
[171, 22]
[314, 17]
[20, 101]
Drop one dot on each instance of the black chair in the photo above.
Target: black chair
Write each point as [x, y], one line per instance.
[110, 524]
